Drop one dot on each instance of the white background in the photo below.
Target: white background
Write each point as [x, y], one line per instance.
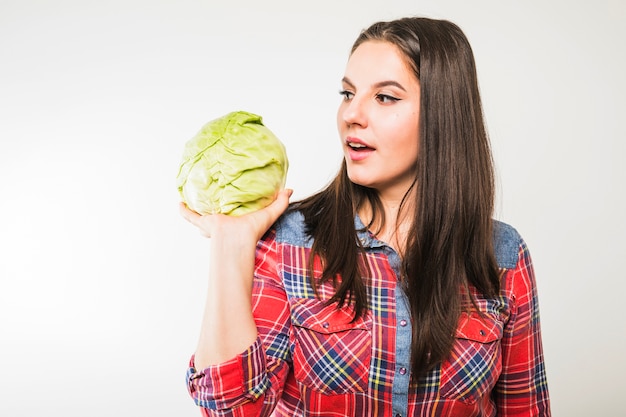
[101, 281]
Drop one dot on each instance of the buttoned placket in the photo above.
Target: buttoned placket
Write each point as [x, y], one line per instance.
[402, 377]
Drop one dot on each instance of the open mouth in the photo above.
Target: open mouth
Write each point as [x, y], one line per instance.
[358, 146]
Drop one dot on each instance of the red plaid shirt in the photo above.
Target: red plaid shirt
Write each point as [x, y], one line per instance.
[310, 359]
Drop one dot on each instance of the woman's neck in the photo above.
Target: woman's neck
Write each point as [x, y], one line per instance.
[398, 214]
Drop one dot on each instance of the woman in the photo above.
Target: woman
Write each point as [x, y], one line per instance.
[391, 292]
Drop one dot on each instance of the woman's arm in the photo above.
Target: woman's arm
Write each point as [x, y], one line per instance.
[227, 326]
[232, 250]
[231, 372]
[522, 390]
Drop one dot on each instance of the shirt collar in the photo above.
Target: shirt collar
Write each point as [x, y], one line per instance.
[366, 237]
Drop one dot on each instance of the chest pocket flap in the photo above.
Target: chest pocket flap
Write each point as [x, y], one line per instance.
[314, 315]
[483, 329]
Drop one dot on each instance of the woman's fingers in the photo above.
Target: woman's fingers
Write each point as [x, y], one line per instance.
[256, 222]
[195, 218]
[188, 214]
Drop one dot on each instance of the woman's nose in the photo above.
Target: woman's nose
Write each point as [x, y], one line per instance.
[355, 112]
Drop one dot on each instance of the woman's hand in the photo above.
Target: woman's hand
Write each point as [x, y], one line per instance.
[251, 225]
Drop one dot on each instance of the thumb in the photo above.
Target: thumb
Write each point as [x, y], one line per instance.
[278, 206]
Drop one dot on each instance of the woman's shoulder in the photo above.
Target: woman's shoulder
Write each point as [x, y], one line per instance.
[507, 243]
[291, 229]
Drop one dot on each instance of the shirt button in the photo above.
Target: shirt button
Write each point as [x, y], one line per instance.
[325, 325]
[402, 371]
[398, 415]
[402, 322]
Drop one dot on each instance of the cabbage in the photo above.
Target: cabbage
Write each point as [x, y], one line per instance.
[234, 165]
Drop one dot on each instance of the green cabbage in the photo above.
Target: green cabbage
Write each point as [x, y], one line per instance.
[234, 165]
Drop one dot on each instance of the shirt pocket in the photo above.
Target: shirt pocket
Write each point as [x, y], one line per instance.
[475, 362]
[331, 352]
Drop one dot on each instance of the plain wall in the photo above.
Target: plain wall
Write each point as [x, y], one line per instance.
[102, 282]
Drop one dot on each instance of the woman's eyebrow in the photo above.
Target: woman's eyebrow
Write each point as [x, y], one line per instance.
[379, 84]
[346, 80]
[389, 83]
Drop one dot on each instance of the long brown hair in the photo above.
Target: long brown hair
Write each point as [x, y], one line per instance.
[450, 244]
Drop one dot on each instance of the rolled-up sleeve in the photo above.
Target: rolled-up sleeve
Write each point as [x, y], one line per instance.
[232, 383]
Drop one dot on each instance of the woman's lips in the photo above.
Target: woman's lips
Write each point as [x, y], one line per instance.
[357, 149]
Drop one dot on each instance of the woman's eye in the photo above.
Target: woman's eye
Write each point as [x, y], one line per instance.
[347, 95]
[384, 98]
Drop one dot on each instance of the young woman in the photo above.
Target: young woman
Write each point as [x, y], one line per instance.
[391, 292]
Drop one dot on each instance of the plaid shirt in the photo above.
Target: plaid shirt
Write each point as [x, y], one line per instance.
[311, 359]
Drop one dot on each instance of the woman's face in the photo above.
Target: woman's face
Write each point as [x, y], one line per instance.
[378, 119]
